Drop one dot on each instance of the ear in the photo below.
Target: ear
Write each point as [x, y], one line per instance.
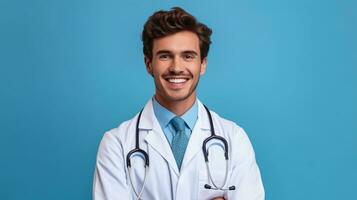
[203, 66]
[148, 65]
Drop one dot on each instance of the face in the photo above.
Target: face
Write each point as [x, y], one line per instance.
[176, 66]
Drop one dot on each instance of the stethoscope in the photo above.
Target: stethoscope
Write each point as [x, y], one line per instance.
[145, 156]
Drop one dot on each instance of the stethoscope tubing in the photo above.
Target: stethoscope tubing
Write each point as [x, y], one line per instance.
[213, 136]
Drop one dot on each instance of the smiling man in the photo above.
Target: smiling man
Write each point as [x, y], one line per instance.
[175, 147]
[176, 66]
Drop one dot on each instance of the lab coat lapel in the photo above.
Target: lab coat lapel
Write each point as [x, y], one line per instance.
[155, 137]
[200, 132]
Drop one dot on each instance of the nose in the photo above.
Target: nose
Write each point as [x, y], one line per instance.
[177, 66]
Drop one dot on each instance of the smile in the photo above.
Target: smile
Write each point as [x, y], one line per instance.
[176, 80]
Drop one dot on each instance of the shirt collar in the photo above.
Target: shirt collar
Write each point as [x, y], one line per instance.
[164, 116]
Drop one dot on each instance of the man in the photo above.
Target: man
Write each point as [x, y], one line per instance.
[172, 127]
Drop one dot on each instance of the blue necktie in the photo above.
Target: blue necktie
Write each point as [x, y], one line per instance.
[180, 140]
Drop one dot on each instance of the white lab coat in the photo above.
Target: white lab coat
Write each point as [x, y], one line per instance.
[164, 180]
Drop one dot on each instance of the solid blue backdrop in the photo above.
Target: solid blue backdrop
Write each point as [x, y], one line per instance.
[284, 70]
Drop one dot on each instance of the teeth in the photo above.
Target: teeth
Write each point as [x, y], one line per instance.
[176, 80]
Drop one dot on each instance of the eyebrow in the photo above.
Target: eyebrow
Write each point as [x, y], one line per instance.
[163, 52]
[190, 52]
[170, 52]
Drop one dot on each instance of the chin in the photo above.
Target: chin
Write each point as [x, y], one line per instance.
[178, 97]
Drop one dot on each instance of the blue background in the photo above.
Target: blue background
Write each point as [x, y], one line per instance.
[284, 70]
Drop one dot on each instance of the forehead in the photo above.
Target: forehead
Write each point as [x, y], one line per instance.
[178, 42]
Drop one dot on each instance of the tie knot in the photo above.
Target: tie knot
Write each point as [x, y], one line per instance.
[178, 123]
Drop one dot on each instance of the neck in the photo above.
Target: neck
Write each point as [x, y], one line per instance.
[178, 107]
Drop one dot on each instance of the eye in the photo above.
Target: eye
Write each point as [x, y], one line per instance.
[164, 56]
[189, 56]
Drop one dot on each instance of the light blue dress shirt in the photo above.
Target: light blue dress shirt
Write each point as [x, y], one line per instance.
[164, 117]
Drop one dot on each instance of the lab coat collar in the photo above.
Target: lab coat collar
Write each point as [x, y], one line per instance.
[203, 117]
[147, 117]
[155, 137]
[197, 137]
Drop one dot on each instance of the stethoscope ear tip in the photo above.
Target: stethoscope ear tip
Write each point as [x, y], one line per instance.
[208, 186]
[232, 187]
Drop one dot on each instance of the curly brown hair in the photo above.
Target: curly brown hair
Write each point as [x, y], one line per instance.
[163, 23]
